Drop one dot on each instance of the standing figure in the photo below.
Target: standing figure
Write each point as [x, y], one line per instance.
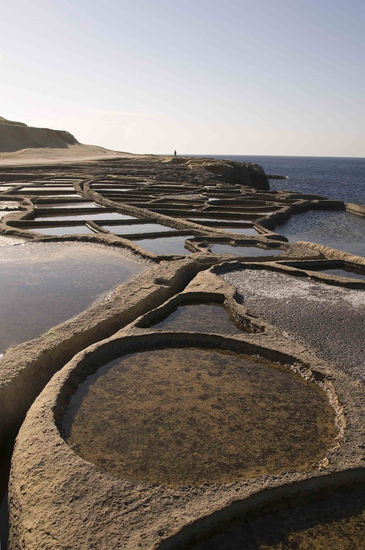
[175, 153]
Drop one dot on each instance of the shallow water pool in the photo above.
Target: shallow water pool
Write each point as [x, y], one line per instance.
[43, 284]
[343, 273]
[165, 245]
[89, 216]
[333, 228]
[193, 415]
[73, 204]
[199, 318]
[61, 229]
[244, 250]
[137, 228]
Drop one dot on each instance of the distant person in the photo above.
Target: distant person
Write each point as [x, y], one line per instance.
[175, 153]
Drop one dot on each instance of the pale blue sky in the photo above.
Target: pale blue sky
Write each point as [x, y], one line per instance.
[204, 76]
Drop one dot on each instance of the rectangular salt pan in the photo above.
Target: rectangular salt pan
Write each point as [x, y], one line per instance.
[165, 245]
[344, 273]
[90, 216]
[137, 228]
[244, 250]
[70, 205]
[62, 230]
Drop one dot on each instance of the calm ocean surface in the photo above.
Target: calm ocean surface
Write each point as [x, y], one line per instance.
[335, 178]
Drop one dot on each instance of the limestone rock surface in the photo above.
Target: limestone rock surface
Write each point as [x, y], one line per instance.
[244, 173]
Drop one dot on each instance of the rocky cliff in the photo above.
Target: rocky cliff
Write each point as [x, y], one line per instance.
[244, 173]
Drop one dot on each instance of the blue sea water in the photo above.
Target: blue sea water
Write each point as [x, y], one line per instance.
[332, 177]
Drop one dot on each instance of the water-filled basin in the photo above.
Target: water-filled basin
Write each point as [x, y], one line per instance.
[89, 216]
[333, 228]
[165, 245]
[43, 284]
[61, 229]
[73, 204]
[200, 318]
[135, 228]
[192, 415]
[343, 273]
[244, 250]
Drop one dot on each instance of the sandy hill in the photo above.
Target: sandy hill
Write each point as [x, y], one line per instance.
[12, 122]
[16, 135]
[22, 144]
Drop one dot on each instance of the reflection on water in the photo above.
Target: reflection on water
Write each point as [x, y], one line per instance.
[104, 189]
[137, 228]
[337, 229]
[62, 229]
[190, 415]
[244, 250]
[65, 188]
[199, 318]
[90, 216]
[335, 521]
[344, 273]
[73, 204]
[42, 285]
[198, 220]
[165, 245]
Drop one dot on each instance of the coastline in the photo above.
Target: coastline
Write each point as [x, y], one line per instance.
[180, 193]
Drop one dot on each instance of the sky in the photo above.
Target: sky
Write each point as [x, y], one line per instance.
[263, 77]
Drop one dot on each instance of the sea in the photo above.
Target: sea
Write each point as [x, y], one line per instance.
[330, 177]
[333, 177]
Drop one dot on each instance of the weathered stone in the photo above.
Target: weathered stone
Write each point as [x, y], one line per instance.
[244, 173]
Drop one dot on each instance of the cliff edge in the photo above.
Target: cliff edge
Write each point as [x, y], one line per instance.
[244, 173]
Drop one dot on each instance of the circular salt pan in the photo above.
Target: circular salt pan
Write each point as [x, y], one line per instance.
[188, 415]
